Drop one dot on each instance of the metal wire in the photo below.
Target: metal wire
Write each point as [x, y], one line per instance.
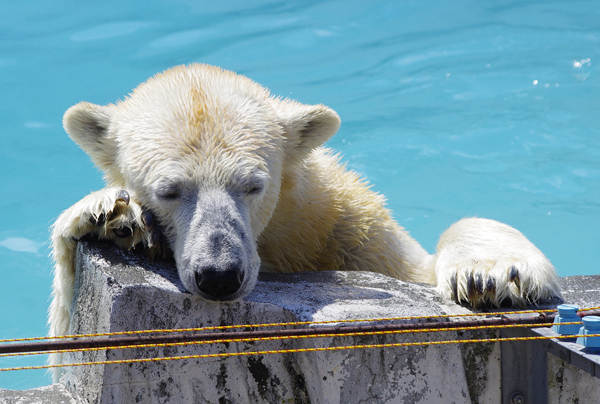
[295, 323]
[174, 337]
[106, 341]
[297, 350]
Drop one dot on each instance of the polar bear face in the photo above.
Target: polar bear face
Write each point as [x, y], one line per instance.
[206, 151]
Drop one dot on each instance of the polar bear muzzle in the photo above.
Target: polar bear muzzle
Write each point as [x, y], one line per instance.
[214, 248]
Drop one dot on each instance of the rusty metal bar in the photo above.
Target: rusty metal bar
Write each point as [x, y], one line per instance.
[338, 331]
[108, 342]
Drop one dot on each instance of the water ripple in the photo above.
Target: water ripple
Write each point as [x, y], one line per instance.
[109, 30]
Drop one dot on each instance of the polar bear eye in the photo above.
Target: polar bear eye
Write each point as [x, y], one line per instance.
[168, 192]
[254, 190]
[253, 185]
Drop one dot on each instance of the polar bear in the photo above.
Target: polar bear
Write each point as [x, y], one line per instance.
[207, 164]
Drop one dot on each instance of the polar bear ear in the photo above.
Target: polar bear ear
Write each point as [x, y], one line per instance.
[307, 126]
[87, 124]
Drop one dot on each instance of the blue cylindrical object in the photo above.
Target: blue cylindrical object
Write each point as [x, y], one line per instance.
[567, 313]
[591, 325]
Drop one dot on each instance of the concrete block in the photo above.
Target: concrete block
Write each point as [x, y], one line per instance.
[117, 291]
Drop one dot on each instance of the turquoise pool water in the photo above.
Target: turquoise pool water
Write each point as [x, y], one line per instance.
[451, 109]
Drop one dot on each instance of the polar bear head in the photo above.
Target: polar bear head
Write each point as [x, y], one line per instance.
[207, 151]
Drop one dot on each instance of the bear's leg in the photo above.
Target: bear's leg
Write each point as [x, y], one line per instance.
[484, 262]
[108, 214]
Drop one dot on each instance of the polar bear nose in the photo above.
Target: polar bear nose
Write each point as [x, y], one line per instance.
[219, 284]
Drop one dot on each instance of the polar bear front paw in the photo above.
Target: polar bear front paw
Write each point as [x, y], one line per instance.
[483, 262]
[485, 282]
[111, 214]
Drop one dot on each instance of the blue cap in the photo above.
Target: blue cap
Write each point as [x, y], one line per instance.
[567, 313]
[591, 325]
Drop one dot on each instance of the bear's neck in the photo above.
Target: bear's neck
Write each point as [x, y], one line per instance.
[327, 218]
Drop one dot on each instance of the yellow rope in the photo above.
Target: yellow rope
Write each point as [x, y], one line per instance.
[286, 337]
[282, 337]
[227, 327]
[297, 350]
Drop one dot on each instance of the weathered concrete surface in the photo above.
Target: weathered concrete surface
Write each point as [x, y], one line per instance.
[567, 383]
[53, 394]
[116, 291]
[583, 290]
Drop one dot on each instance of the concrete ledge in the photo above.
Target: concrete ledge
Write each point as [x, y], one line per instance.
[117, 291]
